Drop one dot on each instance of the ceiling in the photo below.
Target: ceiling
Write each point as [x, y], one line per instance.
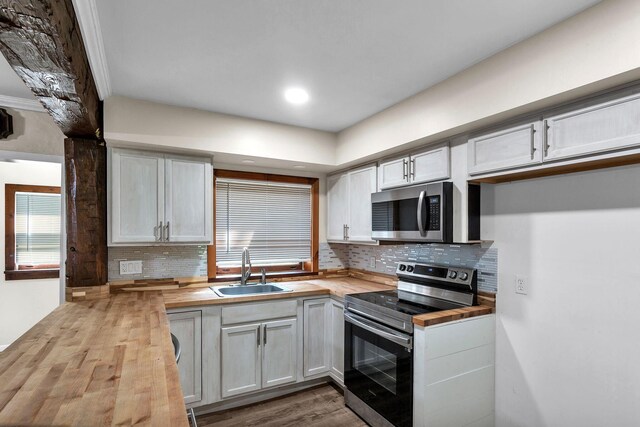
[355, 57]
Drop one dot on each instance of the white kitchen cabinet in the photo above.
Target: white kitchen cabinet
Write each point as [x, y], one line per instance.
[241, 361]
[136, 183]
[188, 199]
[258, 355]
[279, 357]
[508, 148]
[187, 327]
[603, 127]
[428, 165]
[337, 341]
[349, 205]
[317, 330]
[337, 206]
[158, 199]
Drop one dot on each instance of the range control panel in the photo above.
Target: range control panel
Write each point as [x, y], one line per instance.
[454, 275]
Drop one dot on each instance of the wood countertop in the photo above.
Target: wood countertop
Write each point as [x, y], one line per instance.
[438, 317]
[102, 362]
[338, 287]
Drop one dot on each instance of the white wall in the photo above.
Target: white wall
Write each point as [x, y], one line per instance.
[567, 353]
[142, 122]
[593, 50]
[33, 132]
[24, 302]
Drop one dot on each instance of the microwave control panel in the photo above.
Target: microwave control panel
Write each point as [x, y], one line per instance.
[434, 213]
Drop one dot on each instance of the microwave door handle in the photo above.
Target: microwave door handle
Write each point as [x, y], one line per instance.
[419, 213]
[402, 340]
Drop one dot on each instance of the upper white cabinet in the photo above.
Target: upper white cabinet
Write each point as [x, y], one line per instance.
[606, 126]
[423, 166]
[159, 199]
[508, 148]
[349, 205]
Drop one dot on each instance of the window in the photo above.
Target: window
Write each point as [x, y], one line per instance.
[275, 216]
[32, 232]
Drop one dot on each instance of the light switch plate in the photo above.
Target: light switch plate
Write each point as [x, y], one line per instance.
[130, 267]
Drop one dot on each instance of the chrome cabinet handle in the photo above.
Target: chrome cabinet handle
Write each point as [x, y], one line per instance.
[405, 174]
[265, 335]
[545, 136]
[167, 228]
[533, 141]
[259, 330]
[419, 212]
[161, 236]
[155, 233]
[346, 235]
[412, 168]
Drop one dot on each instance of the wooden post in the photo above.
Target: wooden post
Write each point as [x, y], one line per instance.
[41, 40]
[86, 183]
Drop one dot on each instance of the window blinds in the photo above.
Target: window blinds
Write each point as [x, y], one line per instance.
[272, 219]
[37, 229]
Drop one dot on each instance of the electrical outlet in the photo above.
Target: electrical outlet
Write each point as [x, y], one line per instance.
[130, 267]
[372, 262]
[522, 285]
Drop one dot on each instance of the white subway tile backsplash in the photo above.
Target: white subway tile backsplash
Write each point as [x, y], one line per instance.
[159, 263]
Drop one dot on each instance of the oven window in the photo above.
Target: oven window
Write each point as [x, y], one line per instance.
[376, 363]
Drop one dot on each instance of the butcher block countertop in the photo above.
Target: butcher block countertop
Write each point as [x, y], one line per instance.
[108, 361]
[338, 287]
[438, 317]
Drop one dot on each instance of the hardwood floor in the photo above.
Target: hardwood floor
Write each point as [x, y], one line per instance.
[318, 407]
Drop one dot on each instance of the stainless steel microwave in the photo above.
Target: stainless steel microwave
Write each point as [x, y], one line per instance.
[421, 213]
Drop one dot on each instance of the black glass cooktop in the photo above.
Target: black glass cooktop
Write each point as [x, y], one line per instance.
[403, 302]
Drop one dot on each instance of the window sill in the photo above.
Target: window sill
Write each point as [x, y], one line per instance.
[271, 275]
[31, 274]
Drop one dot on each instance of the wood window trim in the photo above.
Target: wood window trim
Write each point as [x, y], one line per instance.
[310, 267]
[11, 273]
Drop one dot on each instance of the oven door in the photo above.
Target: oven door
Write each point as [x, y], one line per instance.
[378, 368]
[414, 213]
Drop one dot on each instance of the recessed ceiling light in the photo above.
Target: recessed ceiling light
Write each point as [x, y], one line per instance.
[296, 95]
[299, 166]
[248, 161]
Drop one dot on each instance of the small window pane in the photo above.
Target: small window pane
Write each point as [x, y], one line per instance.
[37, 229]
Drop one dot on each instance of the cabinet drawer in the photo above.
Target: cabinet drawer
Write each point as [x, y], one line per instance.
[259, 311]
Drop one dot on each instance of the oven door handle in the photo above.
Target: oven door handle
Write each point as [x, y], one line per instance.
[420, 207]
[403, 340]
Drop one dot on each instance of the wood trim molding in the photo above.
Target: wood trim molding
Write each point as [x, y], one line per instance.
[11, 272]
[21, 103]
[87, 15]
[311, 267]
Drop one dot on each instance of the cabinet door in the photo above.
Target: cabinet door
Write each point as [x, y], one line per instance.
[508, 148]
[394, 173]
[136, 180]
[316, 320]
[279, 354]
[188, 200]
[241, 359]
[606, 126]
[337, 341]
[362, 183]
[187, 327]
[431, 165]
[337, 206]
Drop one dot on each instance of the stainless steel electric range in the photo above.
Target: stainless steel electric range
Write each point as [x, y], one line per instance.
[378, 373]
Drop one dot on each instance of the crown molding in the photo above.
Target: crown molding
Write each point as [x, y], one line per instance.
[87, 15]
[21, 103]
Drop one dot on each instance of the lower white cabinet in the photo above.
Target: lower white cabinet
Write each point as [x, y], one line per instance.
[257, 356]
[187, 327]
[317, 328]
[324, 338]
[336, 312]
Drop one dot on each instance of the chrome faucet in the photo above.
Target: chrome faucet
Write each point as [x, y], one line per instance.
[245, 273]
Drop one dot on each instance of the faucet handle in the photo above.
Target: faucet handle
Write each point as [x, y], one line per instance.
[263, 276]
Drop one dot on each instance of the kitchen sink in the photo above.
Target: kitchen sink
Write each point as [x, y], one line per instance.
[229, 291]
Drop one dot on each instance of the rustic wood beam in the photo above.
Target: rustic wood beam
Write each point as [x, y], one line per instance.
[41, 40]
[86, 183]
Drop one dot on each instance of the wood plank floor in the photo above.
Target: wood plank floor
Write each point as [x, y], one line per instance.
[318, 407]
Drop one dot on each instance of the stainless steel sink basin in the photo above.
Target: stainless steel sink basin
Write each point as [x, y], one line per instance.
[228, 291]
